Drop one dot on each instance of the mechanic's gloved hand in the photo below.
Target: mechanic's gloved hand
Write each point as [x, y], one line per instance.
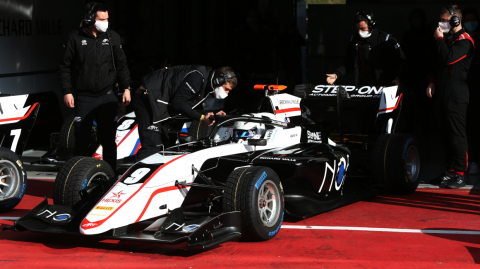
[430, 90]
[331, 78]
[208, 119]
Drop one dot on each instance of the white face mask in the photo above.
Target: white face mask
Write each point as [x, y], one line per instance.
[220, 93]
[364, 34]
[101, 26]
[445, 26]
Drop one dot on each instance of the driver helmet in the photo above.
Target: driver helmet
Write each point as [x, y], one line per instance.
[245, 129]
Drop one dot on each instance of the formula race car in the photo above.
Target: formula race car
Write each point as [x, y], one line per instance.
[17, 116]
[252, 170]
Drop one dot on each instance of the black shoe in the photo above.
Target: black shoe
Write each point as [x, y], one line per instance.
[447, 178]
[457, 183]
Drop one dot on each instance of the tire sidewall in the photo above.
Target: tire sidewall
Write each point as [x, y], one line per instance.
[257, 180]
[408, 142]
[77, 175]
[21, 181]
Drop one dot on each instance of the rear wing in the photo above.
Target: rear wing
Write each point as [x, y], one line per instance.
[385, 100]
[17, 117]
[388, 98]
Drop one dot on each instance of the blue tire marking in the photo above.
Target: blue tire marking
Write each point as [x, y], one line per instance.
[276, 231]
[260, 180]
[85, 183]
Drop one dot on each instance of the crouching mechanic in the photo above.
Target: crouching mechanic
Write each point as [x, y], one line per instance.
[448, 87]
[167, 93]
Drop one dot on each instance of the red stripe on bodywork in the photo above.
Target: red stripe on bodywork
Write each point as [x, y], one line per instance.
[138, 147]
[131, 131]
[171, 188]
[24, 117]
[100, 222]
[392, 108]
[293, 109]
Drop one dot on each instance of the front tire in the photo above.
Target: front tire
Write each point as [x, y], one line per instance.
[258, 194]
[76, 175]
[13, 180]
[396, 163]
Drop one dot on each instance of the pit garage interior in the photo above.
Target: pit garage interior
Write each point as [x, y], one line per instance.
[266, 42]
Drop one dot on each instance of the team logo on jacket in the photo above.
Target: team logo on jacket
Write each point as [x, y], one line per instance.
[115, 197]
[153, 128]
[105, 42]
[84, 42]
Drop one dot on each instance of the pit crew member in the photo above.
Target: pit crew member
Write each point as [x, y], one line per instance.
[374, 56]
[91, 60]
[172, 91]
[448, 87]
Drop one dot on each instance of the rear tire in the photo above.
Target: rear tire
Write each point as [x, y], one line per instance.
[66, 143]
[76, 175]
[13, 180]
[396, 163]
[258, 194]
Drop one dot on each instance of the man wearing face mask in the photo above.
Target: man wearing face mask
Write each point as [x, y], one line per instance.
[374, 56]
[173, 91]
[93, 58]
[454, 50]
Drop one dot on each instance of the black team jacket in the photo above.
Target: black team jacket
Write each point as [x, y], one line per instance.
[86, 66]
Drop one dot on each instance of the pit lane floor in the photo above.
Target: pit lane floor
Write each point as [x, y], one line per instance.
[430, 228]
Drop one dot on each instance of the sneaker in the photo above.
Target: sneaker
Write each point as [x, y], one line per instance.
[457, 183]
[447, 178]
[473, 169]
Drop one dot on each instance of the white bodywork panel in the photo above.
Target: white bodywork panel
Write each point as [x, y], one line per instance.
[389, 100]
[12, 109]
[126, 204]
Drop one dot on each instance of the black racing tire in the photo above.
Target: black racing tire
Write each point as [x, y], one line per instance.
[396, 163]
[66, 142]
[13, 180]
[198, 130]
[243, 192]
[76, 175]
[67, 134]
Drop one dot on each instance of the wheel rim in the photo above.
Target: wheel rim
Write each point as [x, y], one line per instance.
[412, 162]
[9, 179]
[98, 176]
[269, 203]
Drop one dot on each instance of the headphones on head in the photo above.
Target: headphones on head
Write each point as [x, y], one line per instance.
[222, 78]
[370, 22]
[90, 16]
[454, 20]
